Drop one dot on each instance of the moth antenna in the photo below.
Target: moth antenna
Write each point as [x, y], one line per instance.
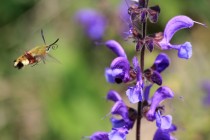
[54, 42]
[53, 45]
[42, 34]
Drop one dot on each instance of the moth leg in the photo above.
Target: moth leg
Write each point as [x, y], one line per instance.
[43, 58]
[40, 57]
[34, 64]
[49, 55]
[44, 61]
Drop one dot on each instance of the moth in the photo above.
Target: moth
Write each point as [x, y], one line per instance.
[35, 55]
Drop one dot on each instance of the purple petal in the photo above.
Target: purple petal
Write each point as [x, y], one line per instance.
[135, 62]
[134, 94]
[118, 134]
[99, 136]
[93, 22]
[137, 1]
[156, 78]
[185, 50]
[121, 63]
[162, 61]
[116, 48]
[117, 123]
[166, 122]
[163, 122]
[172, 128]
[109, 75]
[161, 134]
[147, 91]
[175, 24]
[115, 75]
[121, 109]
[160, 95]
[137, 69]
[113, 96]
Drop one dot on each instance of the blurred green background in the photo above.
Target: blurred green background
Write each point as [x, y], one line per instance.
[67, 101]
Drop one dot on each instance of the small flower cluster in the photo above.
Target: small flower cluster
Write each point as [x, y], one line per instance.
[141, 80]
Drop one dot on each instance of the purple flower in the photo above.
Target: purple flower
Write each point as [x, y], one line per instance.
[160, 95]
[134, 93]
[175, 24]
[93, 22]
[119, 68]
[119, 108]
[127, 120]
[122, 110]
[118, 71]
[120, 126]
[164, 134]
[163, 122]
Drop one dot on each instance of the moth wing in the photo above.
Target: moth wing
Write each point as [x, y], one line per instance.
[55, 59]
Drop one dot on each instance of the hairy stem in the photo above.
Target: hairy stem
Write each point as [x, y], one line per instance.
[140, 104]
